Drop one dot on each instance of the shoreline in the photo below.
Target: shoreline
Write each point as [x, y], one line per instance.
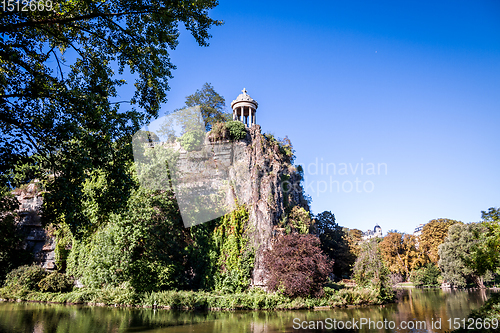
[197, 301]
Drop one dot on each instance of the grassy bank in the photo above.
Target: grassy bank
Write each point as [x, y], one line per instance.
[255, 299]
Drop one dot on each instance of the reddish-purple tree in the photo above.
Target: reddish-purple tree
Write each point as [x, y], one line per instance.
[297, 265]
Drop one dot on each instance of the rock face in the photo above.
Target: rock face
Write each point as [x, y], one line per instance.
[42, 245]
[260, 176]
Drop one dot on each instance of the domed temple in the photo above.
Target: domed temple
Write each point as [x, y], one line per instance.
[244, 108]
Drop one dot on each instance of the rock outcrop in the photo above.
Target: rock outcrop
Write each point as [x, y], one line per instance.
[29, 224]
[260, 176]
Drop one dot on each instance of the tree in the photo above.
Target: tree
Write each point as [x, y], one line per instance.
[456, 254]
[485, 256]
[369, 269]
[354, 238]
[334, 244]
[399, 253]
[433, 235]
[63, 116]
[426, 276]
[212, 105]
[297, 266]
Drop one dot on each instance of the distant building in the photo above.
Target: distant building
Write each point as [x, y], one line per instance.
[375, 233]
[417, 232]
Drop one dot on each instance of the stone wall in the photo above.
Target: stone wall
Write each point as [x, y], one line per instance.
[29, 223]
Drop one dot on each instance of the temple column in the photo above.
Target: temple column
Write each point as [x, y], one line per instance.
[241, 115]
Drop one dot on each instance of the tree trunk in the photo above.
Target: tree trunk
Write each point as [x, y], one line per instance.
[480, 282]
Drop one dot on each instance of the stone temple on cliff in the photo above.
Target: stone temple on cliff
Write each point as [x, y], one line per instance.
[244, 108]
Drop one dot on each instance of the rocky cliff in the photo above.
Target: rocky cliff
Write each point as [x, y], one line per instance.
[257, 171]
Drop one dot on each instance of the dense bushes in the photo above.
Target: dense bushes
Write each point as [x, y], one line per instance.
[36, 278]
[56, 282]
[236, 129]
[192, 140]
[296, 266]
[230, 130]
[26, 277]
[144, 245]
[429, 275]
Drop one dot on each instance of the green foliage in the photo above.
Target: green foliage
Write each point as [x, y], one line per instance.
[26, 277]
[334, 243]
[254, 299]
[236, 129]
[76, 98]
[485, 256]
[284, 146]
[92, 187]
[59, 115]
[63, 242]
[143, 246]
[456, 255]
[299, 220]
[426, 276]
[11, 253]
[56, 282]
[192, 140]
[155, 167]
[235, 258]
[229, 130]
[211, 105]
[370, 271]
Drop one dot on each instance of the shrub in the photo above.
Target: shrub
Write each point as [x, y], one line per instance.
[426, 276]
[237, 130]
[26, 277]
[219, 132]
[370, 272]
[300, 220]
[297, 266]
[56, 282]
[192, 140]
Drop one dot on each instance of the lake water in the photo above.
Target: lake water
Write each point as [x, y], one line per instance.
[427, 306]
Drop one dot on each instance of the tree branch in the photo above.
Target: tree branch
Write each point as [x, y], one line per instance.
[12, 27]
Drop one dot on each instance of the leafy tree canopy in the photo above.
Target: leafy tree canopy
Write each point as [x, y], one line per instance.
[433, 235]
[60, 116]
[335, 244]
[212, 105]
[456, 255]
[486, 253]
[297, 266]
[57, 82]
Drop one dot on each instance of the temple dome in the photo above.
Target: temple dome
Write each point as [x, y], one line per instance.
[244, 97]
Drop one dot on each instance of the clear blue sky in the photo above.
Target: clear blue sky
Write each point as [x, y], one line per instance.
[412, 84]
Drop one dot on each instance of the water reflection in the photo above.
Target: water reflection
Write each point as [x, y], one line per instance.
[414, 305]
